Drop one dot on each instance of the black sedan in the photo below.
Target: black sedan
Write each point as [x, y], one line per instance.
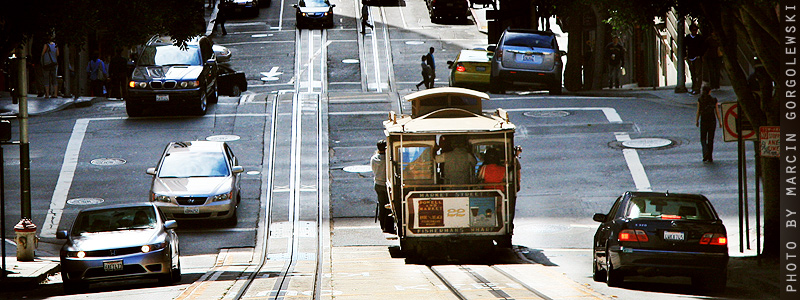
[661, 234]
[231, 82]
[115, 242]
[314, 13]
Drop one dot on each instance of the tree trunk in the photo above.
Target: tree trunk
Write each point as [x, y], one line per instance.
[572, 73]
[598, 80]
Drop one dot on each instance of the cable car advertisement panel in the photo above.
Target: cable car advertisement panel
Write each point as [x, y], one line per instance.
[465, 211]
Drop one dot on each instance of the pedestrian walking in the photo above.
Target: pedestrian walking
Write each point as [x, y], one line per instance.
[707, 118]
[49, 61]
[426, 74]
[431, 63]
[365, 19]
[118, 73]
[615, 60]
[222, 16]
[694, 47]
[97, 73]
[378, 164]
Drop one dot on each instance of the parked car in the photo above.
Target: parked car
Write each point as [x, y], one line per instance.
[314, 13]
[165, 74]
[115, 242]
[231, 82]
[471, 69]
[527, 57]
[450, 9]
[250, 7]
[197, 180]
[223, 53]
[661, 234]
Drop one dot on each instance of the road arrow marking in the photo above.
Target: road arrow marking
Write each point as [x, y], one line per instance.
[272, 75]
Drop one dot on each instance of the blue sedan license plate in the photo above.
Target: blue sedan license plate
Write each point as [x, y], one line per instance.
[112, 266]
[162, 97]
[674, 236]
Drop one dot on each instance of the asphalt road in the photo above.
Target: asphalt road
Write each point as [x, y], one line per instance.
[573, 165]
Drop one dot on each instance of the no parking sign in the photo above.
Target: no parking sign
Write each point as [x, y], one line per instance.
[729, 115]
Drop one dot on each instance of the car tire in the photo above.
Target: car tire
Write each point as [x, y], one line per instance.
[74, 286]
[614, 277]
[597, 274]
[133, 109]
[201, 107]
[555, 89]
[176, 273]
[214, 97]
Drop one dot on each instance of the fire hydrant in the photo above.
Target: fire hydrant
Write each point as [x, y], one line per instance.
[26, 240]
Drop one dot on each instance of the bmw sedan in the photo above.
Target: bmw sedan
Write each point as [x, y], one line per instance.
[115, 242]
[314, 13]
[661, 234]
[197, 180]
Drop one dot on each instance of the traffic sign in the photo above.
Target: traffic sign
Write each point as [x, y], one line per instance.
[729, 115]
[770, 138]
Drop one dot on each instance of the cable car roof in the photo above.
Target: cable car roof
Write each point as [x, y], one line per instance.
[449, 120]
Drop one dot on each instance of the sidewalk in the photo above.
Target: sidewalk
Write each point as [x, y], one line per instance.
[40, 105]
[28, 274]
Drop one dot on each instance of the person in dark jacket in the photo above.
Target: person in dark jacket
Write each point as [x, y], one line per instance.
[694, 48]
[615, 58]
[707, 118]
[118, 73]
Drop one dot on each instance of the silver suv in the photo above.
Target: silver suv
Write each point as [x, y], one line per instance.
[527, 57]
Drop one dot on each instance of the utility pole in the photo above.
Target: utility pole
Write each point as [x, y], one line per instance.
[24, 145]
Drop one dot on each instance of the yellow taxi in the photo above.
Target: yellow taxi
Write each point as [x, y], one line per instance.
[471, 69]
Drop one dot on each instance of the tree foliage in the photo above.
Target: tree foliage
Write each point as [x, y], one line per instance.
[121, 23]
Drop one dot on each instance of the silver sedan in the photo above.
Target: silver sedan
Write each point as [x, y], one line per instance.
[197, 180]
[115, 242]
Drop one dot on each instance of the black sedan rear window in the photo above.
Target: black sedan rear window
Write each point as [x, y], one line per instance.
[668, 208]
[529, 40]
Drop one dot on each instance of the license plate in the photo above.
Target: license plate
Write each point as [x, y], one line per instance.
[449, 4]
[537, 59]
[112, 266]
[162, 97]
[191, 210]
[480, 69]
[674, 236]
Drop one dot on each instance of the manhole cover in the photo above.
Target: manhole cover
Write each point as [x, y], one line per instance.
[647, 143]
[85, 201]
[358, 169]
[350, 61]
[223, 138]
[546, 114]
[108, 161]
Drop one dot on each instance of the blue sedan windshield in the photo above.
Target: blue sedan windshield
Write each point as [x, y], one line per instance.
[314, 3]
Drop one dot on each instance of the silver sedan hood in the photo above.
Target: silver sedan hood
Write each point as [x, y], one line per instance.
[193, 186]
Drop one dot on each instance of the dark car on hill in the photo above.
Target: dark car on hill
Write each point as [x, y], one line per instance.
[314, 13]
[166, 74]
[661, 234]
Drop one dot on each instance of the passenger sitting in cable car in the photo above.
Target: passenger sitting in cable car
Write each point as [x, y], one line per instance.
[492, 170]
[458, 164]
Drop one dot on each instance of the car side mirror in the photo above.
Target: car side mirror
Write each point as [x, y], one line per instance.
[294, 5]
[237, 169]
[170, 224]
[333, 5]
[61, 234]
[151, 171]
[211, 61]
[449, 64]
[599, 218]
[562, 52]
[491, 48]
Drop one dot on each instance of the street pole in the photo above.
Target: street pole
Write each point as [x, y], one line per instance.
[680, 63]
[24, 149]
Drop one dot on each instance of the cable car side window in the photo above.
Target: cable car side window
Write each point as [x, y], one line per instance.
[416, 162]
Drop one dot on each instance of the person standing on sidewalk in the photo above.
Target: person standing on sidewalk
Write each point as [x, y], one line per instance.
[707, 118]
[49, 69]
[431, 63]
[118, 71]
[426, 75]
[96, 71]
[378, 164]
[365, 19]
[694, 47]
[712, 58]
[615, 61]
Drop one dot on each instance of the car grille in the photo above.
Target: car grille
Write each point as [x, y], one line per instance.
[191, 200]
[192, 216]
[163, 85]
[126, 270]
[114, 252]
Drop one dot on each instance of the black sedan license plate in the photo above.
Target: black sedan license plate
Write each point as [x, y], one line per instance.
[674, 236]
[112, 266]
[162, 97]
[480, 69]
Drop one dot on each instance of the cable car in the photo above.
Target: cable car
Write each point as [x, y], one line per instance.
[452, 175]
